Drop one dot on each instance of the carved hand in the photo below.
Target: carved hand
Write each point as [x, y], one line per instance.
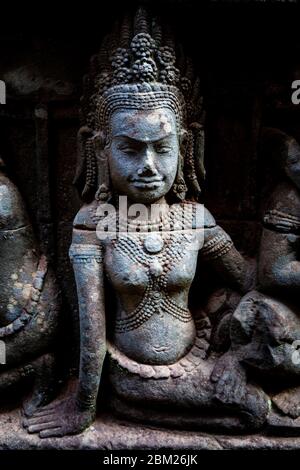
[60, 418]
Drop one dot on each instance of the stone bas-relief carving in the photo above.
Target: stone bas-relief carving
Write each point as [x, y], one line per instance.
[265, 326]
[142, 137]
[29, 304]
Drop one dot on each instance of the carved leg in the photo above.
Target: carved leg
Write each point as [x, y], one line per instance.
[263, 330]
[193, 420]
[44, 385]
[192, 395]
[288, 402]
[230, 379]
[41, 371]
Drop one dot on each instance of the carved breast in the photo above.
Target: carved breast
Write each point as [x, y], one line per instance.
[134, 260]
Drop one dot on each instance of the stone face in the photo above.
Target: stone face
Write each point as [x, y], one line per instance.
[187, 324]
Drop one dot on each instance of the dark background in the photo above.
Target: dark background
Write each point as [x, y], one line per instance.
[246, 53]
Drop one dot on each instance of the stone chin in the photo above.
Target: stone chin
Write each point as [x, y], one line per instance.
[148, 193]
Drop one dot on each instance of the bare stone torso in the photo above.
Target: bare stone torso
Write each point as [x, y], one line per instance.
[153, 324]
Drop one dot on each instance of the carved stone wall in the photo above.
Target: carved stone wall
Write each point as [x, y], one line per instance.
[246, 66]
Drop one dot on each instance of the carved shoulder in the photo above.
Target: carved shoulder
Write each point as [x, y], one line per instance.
[86, 217]
[209, 220]
[12, 211]
[202, 217]
[216, 241]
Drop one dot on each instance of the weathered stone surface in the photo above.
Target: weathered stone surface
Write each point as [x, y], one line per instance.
[38, 139]
[109, 433]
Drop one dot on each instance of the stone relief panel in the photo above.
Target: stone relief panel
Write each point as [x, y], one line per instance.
[178, 273]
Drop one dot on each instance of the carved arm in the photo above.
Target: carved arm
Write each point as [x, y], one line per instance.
[220, 252]
[278, 264]
[88, 268]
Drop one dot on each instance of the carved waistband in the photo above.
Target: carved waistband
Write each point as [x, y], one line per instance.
[185, 365]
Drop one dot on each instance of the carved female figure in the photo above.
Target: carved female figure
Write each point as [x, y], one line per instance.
[143, 138]
[29, 302]
[265, 327]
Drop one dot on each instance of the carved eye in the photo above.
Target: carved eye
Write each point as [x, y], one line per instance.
[163, 149]
[128, 150]
[293, 159]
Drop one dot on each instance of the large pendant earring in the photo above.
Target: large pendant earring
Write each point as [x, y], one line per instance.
[189, 167]
[179, 186]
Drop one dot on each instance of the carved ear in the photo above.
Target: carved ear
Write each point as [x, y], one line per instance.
[99, 140]
[104, 192]
[183, 139]
[179, 188]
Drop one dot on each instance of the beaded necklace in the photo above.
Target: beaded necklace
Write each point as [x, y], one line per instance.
[158, 252]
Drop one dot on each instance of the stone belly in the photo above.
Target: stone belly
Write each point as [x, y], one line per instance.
[161, 339]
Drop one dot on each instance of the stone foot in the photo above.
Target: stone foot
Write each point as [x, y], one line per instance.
[288, 402]
[43, 389]
[230, 380]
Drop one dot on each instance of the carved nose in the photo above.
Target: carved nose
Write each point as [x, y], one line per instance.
[146, 170]
[148, 167]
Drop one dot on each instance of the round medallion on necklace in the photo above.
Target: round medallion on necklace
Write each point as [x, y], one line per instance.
[153, 243]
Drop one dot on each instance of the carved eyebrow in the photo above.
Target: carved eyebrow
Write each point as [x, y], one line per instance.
[138, 141]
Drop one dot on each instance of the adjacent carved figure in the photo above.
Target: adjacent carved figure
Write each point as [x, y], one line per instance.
[29, 303]
[142, 138]
[265, 327]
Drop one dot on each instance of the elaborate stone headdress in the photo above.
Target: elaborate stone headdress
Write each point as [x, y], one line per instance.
[138, 67]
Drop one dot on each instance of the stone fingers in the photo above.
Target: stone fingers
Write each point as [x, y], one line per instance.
[42, 426]
[38, 420]
[52, 432]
